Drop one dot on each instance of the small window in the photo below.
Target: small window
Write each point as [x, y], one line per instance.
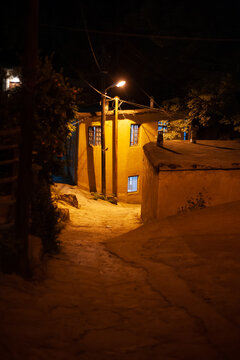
[132, 183]
[162, 126]
[94, 135]
[134, 134]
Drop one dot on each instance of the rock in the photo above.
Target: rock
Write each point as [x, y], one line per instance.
[64, 214]
[69, 199]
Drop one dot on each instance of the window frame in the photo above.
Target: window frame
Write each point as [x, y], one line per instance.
[94, 135]
[163, 126]
[136, 177]
[133, 136]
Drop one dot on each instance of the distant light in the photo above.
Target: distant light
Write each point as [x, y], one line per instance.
[12, 82]
[121, 83]
[15, 79]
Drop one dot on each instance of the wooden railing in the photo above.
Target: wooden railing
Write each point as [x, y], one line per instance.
[9, 159]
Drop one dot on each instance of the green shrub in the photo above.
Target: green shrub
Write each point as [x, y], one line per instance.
[111, 199]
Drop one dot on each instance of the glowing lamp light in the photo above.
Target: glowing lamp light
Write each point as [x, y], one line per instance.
[15, 79]
[121, 83]
[118, 84]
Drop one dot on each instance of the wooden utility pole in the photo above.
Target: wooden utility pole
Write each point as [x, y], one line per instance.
[103, 119]
[25, 164]
[115, 148]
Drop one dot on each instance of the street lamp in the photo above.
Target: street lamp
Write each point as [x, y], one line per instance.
[103, 118]
[118, 84]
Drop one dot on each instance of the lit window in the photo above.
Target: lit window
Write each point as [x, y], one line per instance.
[94, 135]
[132, 183]
[162, 126]
[134, 134]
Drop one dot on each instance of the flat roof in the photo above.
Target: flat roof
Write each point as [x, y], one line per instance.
[162, 114]
[178, 155]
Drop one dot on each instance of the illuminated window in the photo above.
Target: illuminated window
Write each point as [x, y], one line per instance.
[94, 135]
[11, 81]
[132, 183]
[134, 134]
[13, 84]
[162, 126]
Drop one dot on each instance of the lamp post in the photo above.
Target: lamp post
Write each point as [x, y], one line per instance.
[103, 119]
[115, 149]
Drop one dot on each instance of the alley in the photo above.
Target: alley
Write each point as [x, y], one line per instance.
[119, 290]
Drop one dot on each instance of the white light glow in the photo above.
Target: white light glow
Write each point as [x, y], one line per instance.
[14, 79]
[121, 83]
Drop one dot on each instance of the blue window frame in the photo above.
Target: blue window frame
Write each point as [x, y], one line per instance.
[162, 126]
[134, 134]
[94, 135]
[132, 183]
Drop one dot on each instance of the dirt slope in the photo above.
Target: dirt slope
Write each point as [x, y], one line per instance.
[120, 290]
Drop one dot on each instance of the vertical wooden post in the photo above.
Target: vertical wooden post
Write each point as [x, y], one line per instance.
[115, 149]
[103, 118]
[151, 102]
[25, 164]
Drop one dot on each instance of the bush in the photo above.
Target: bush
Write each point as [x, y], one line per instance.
[45, 219]
[110, 199]
[194, 203]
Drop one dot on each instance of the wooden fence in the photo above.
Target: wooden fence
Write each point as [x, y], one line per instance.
[9, 161]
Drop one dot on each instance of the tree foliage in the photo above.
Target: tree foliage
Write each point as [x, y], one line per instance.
[55, 104]
[212, 103]
[216, 103]
[55, 108]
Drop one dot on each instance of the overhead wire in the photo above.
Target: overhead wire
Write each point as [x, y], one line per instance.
[150, 36]
[149, 96]
[90, 43]
[98, 91]
[121, 100]
[126, 101]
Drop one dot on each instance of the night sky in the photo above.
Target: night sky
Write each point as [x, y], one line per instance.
[163, 67]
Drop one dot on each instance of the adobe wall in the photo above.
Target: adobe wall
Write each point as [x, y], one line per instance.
[182, 190]
[149, 192]
[89, 159]
[179, 191]
[130, 158]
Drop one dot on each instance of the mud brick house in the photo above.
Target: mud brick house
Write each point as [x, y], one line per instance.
[135, 129]
[180, 176]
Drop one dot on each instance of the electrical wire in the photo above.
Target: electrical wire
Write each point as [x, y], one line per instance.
[146, 36]
[150, 97]
[149, 108]
[125, 101]
[90, 43]
[98, 91]
[140, 105]
[145, 93]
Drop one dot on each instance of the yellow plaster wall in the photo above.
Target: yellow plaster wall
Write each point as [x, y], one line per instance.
[130, 158]
[177, 190]
[169, 192]
[149, 192]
